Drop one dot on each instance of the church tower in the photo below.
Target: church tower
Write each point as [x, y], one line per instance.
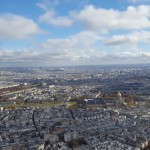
[119, 100]
[119, 96]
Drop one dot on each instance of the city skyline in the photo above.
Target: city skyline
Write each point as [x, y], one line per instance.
[65, 32]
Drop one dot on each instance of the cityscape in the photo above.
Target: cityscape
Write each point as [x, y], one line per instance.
[82, 107]
[74, 74]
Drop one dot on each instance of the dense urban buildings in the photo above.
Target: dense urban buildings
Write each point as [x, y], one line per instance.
[84, 107]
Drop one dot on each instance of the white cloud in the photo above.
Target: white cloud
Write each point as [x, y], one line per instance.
[131, 38]
[103, 20]
[75, 49]
[47, 4]
[99, 19]
[85, 47]
[78, 42]
[50, 16]
[36, 58]
[129, 57]
[138, 1]
[17, 27]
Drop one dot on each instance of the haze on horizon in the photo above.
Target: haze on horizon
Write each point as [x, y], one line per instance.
[79, 32]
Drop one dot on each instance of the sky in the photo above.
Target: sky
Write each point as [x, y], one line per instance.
[74, 32]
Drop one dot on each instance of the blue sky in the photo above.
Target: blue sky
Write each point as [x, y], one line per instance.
[74, 32]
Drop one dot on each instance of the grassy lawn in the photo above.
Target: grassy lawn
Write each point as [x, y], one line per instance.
[35, 104]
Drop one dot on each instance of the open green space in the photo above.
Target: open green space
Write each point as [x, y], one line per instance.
[33, 104]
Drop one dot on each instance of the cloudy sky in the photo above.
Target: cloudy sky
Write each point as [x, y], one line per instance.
[74, 32]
